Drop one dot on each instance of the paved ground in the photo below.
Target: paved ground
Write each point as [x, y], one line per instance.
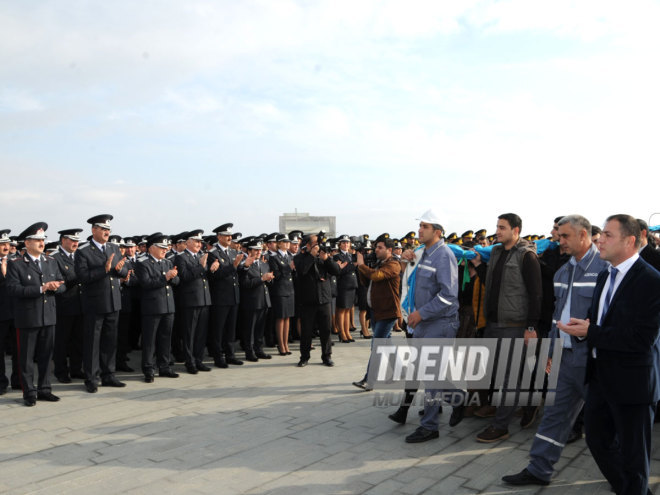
[262, 428]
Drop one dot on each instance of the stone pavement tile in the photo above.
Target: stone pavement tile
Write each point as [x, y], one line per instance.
[488, 469]
[449, 484]
[386, 488]
[419, 485]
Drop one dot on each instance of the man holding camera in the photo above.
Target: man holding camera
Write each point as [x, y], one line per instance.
[314, 267]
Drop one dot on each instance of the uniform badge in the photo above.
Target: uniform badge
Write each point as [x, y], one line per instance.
[29, 277]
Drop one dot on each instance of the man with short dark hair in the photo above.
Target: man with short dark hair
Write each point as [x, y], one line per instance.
[513, 305]
[623, 374]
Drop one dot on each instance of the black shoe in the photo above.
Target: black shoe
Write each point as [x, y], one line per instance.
[302, 363]
[263, 355]
[251, 357]
[351, 340]
[529, 416]
[112, 382]
[400, 415]
[221, 363]
[148, 378]
[78, 375]
[191, 369]
[328, 362]
[91, 387]
[524, 477]
[30, 401]
[363, 385]
[63, 378]
[202, 367]
[457, 415]
[47, 397]
[421, 434]
[574, 436]
[124, 367]
[288, 353]
[233, 360]
[367, 336]
[168, 373]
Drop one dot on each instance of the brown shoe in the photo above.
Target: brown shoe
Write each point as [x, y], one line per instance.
[485, 412]
[491, 434]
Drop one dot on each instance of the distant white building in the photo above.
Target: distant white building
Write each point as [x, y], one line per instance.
[308, 224]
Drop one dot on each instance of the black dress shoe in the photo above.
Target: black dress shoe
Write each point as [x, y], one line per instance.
[233, 360]
[63, 378]
[328, 362]
[263, 355]
[574, 436]
[202, 367]
[29, 401]
[457, 415]
[251, 357]
[400, 415]
[524, 477]
[91, 387]
[302, 363]
[288, 353]
[47, 397]
[124, 367]
[191, 369]
[221, 363]
[363, 385]
[148, 378]
[78, 375]
[112, 382]
[421, 434]
[168, 373]
[367, 336]
[351, 340]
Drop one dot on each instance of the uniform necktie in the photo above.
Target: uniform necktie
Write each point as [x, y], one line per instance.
[38, 263]
[103, 249]
[610, 290]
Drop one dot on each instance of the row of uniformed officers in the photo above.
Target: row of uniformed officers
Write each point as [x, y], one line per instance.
[83, 308]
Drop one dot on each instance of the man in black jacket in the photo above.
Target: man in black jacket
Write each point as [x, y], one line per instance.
[68, 355]
[7, 333]
[314, 267]
[156, 276]
[100, 267]
[225, 297]
[32, 280]
[193, 301]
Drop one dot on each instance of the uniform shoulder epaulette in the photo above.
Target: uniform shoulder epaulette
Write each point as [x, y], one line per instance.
[85, 246]
[212, 250]
[142, 260]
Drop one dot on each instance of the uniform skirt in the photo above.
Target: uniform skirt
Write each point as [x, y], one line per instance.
[345, 298]
[283, 307]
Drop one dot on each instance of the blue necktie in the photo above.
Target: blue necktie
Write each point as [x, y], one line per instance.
[610, 290]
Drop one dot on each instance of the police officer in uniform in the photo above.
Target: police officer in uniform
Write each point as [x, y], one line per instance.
[129, 328]
[282, 292]
[33, 280]
[193, 301]
[255, 301]
[68, 355]
[347, 284]
[7, 335]
[100, 267]
[224, 264]
[156, 276]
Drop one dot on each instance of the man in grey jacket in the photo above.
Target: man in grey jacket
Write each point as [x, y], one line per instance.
[574, 285]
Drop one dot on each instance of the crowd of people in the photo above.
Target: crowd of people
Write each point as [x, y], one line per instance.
[85, 305]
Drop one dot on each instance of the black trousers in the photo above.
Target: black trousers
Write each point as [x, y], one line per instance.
[619, 438]
[129, 330]
[156, 338]
[100, 345]
[252, 335]
[312, 317]
[194, 325]
[222, 331]
[35, 345]
[69, 336]
[8, 343]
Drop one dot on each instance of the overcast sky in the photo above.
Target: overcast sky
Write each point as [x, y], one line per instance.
[175, 115]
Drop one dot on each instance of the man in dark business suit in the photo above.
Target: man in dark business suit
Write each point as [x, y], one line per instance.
[225, 297]
[68, 355]
[156, 276]
[623, 373]
[193, 301]
[255, 301]
[100, 267]
[32, 280]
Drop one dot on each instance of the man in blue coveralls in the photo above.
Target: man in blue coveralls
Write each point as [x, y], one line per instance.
[435, 313]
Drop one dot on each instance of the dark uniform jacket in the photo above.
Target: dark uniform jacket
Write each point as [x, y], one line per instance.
[157, 293]
[282, 284]
[193, 288]
[24, 279]
[651, 256]
[69, 302]
[254, 292]
[314, 278]
[347, 278]
[225, 288]
[100, 291]
[130, 290]
[5, 300]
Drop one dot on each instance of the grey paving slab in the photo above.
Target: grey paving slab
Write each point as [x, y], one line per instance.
[263, 428]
